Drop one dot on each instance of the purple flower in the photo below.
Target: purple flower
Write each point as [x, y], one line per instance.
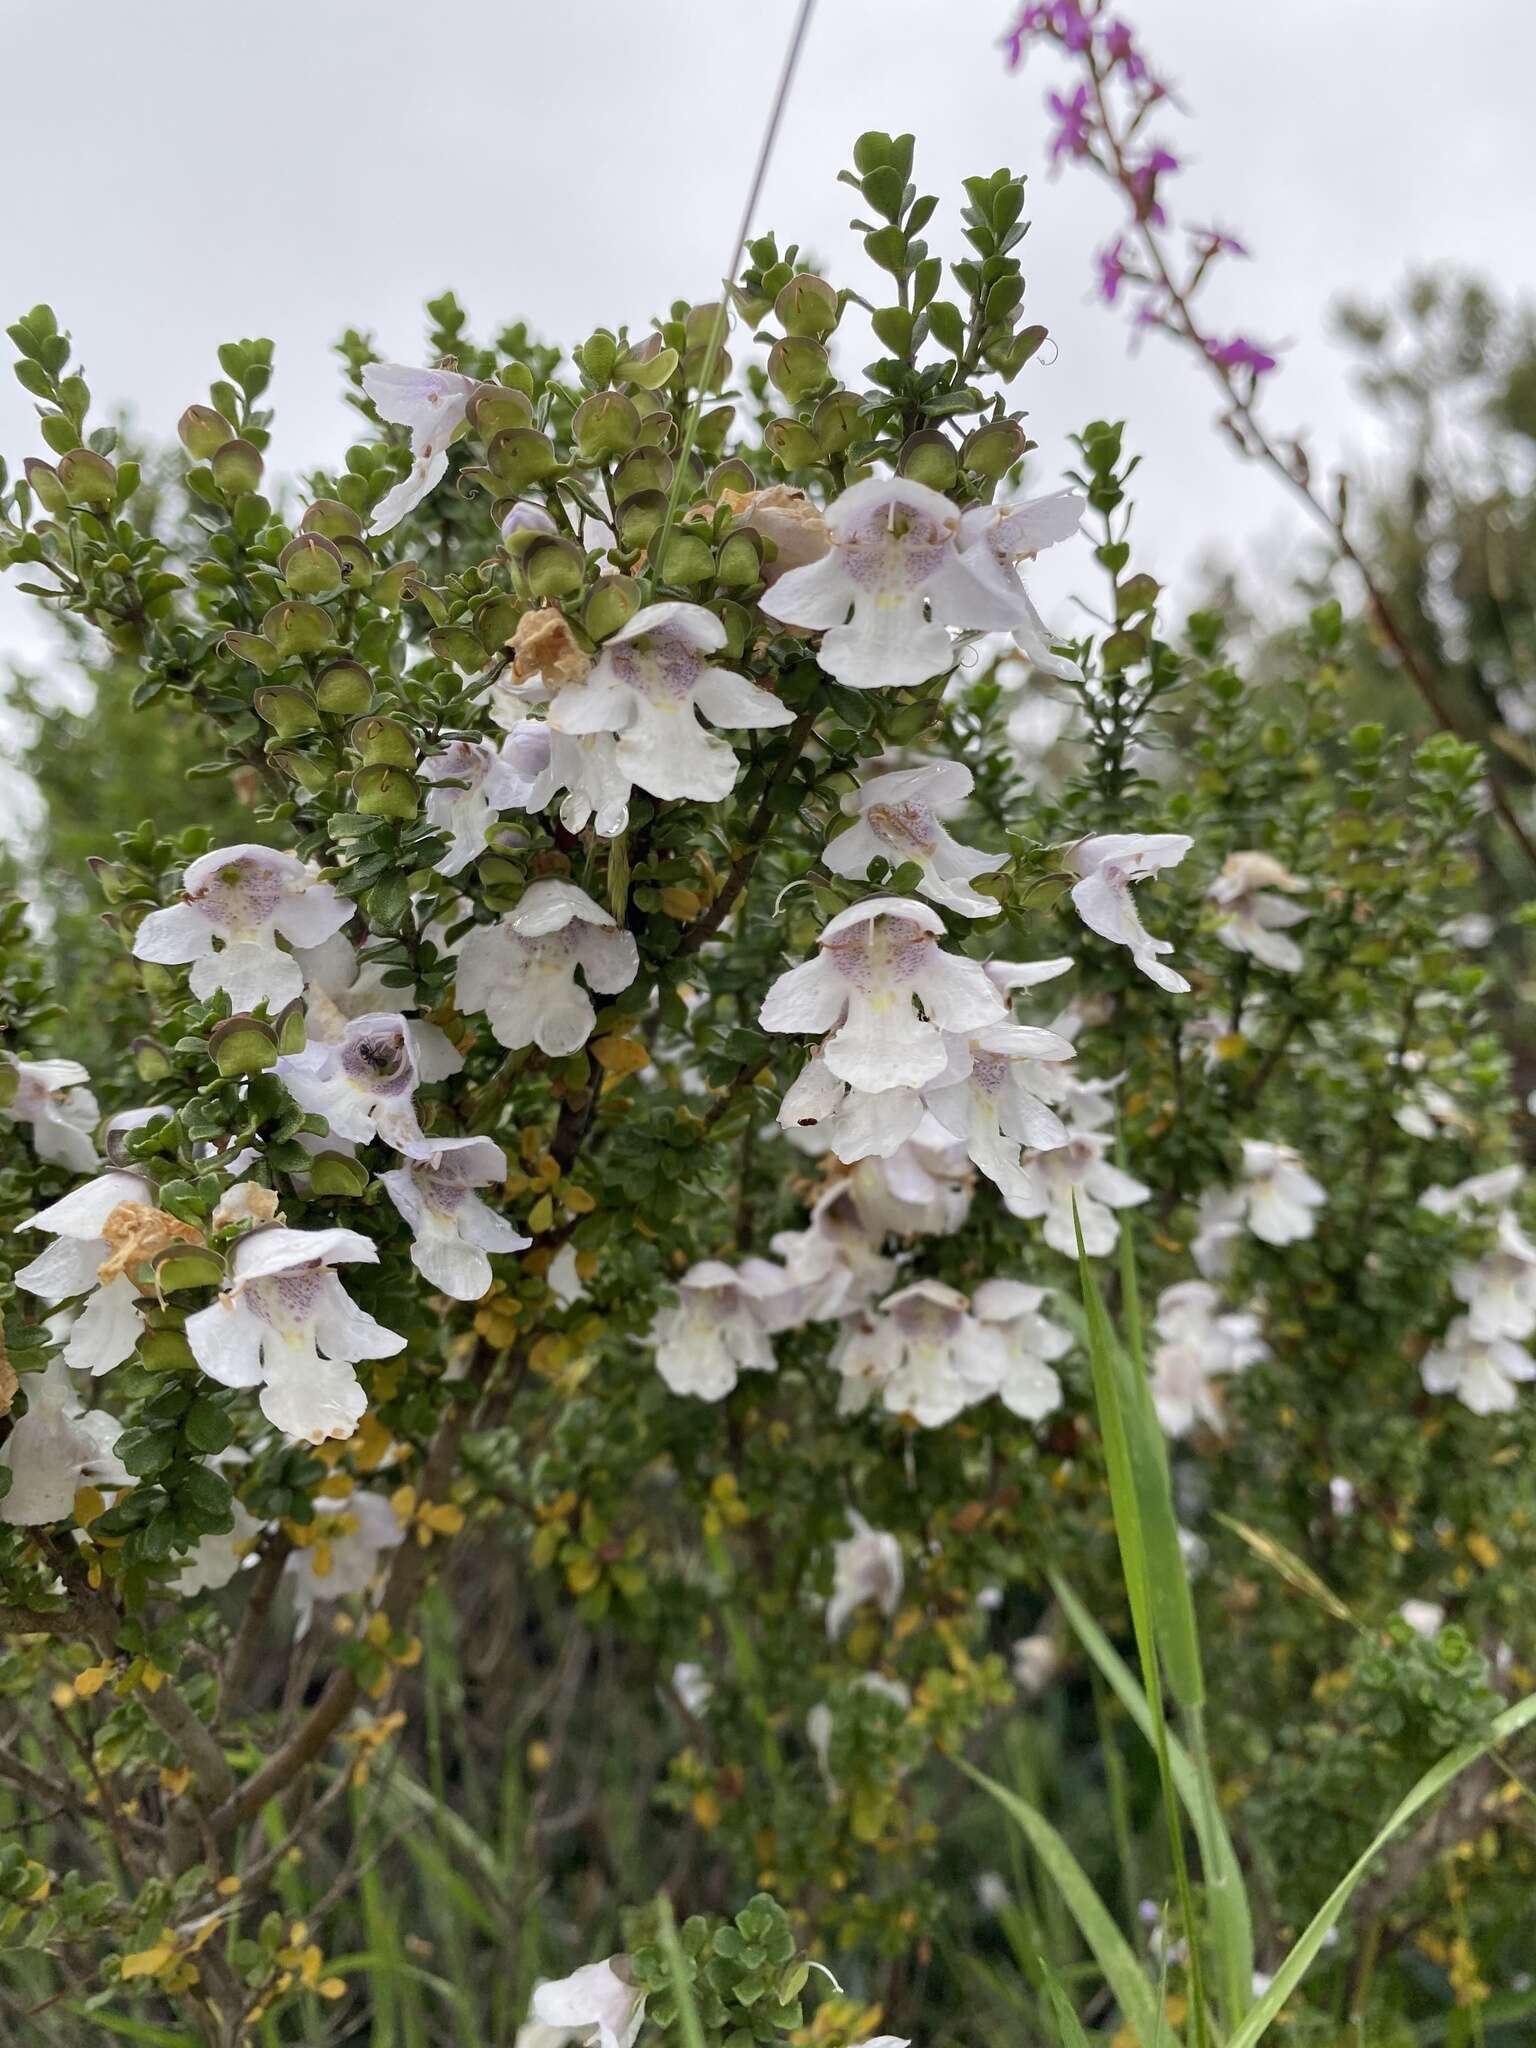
[1120, 48]
[1241, 354]
[1217, 242]
[1076, 34]
[1142, 183]
[1031, 21]
[1072, 138]
[1112, 271]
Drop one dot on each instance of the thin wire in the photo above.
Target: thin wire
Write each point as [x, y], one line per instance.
[722, 313]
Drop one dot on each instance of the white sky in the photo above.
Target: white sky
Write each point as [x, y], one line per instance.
[180, 172]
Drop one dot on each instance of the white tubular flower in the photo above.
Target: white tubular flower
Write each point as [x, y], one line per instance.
[923, 1353]
[56, 1448]
[432, 403]
[1425, 1617]
[1483, 1375]
[989, 1097]
[1007, 975]
[286, 1324]
[585, 765]
[237, 903]
[994, 539]
[847, 1124]
[1499, 1289]
[1109, 866]
[1482, 1191]
[52, 1098]
[1198, 1344]
[890, 584]
[717, 1328]
[865, 1566]
[522, 971]
[694, 1689]
[652, 681]
[364, 1086]
[1028, 1388]
[451, 1228]
[347, 1541]
[494, 780]
[1035, 1661]
[873, 963]
[1077, 1170]
[108, 1328]
[339, 988]
[599, 2004]
[898, 821]
[1279, 1195]
[834, 1266]
[1256, 918]
[1218, 1231]
[922, 1190]
[214, 1560]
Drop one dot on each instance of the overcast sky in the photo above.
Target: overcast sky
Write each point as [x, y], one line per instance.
[182, 171]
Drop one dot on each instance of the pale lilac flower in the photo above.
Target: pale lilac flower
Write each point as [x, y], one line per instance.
[584, 765]
[1499, 1289]
[57, 1447]
[364, 1086]
[1482, 1191]
[865, 1566]
[1482, 1374]
[493, 781]
[339, 988]
[351, 1538]
[1074, 135]
[717, 1328]
[1279, 1195]
[599, 2004]
[1198, 1343]
[1219, 1219]
[1142, 185]
[284, 1323]
[108, 1328]
[835, 1266]
[894, 560]
[1255, 918]
[1031, 1341]
[522, 971]
[899, 821]
[923, 1353]
[989, 1097]
[1077, 1170]
[1112, 270]
[652, 681]
[237, 903]
[923, 1189]
[1241, 354]
[53, 1099]
[452, 1229]
[432, 403]
[994, 539]
[1109, 866]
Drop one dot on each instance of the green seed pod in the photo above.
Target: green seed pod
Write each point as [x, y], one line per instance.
[46, 488]
[648, 365]
[648, 469]
[494, 409]
[165, 1351]
[836, 421]
[332, 1173]
[357, 564]
[740, 561]
[287, 709]
[639, 518]
[456, 644]
[807, 306]
[928, 458]
[496, 621]
[292, 1033]
[243, 1045]
[328, 516]
[203, 432]
[794, 445]
[658, 430]
[310, 565]
[732, 475]
[178, 1266]
[606, 425]
[521, 456]
[88, 478]
[798, 367]
[344, 689]
[151, 1062]
[389, 589]
[252, 648]
[993, 449]
[380, 791]
[553, 567]
[298, 627]
[611, 603]
[689, 557]
[307, 770]
[237, 468]
[382, 741]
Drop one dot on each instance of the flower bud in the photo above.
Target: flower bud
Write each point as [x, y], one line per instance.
[553, 567]
[740, 561]
[46, 488]
[310, 565]
[798, 367]
[328, 516]
[203, 432]
[88, 478]
[298, 627]
[795, 446]
[236, 468]
[344, 689]
[242, 1045]
[611, 604]
[606, 425]
[384, 792]
[807, 306]
[836, 421]
[287, 709]
[597, 356]
[992, 450]
[382, 741]
[178, 1266]
[928, 458]
[494, 408]
[332, 1173]
[521, 456]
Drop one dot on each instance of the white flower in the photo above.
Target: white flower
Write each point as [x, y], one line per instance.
[586, 765]
[1028, 1388]
[923, 1189]
[889, 585]
[1499, 1289]
[1036, 1661]
[1425, 1617]
[364, 1086]
[1218, 1231]
[214, 1560]
[1109, 866]
[451, 1228]
[1256, 918]
[237, 902]
[873, 963]
[495, 779]
[923, 1353]
[694, 1688]
[718, 1327]
[1077, 1170]
[989, 1096]
[1279, 1195]
[286, 1324]
[865, 1566]
[52, 1098]
[56, 1448]
[432, 403]
[347, 1539]
[834, 1267]
[821, 1721]
[652, 681]
[339, 988]
[898, 821]
[994, 539]
[522, 971]
[563, 1279]
[1482, 1374]
[1198, 1344]
[108, 1328]
[599, 2003]
[1482, 1191]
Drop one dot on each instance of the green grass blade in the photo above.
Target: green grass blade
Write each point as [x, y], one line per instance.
[1069, 2027]
[1111, 1951]
[1434, 1781]
[128, 2029]
[677, 1970]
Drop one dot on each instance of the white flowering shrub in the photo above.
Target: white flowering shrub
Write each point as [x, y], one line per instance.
[557, 1291]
